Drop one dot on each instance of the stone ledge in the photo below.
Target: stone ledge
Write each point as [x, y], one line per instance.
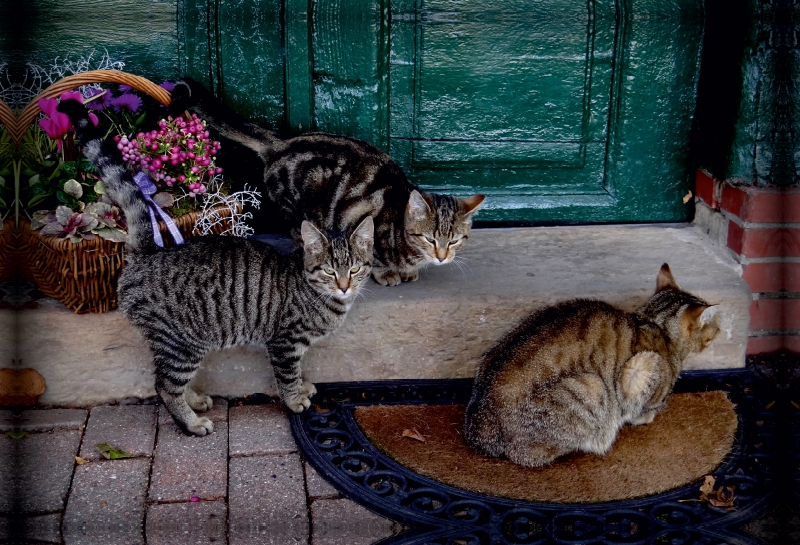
[435, 328]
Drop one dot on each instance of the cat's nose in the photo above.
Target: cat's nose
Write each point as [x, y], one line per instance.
[343, 287]
[441, 254]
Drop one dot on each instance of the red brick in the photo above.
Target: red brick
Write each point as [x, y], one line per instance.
[735, 237]
[764, 345]
[775, 314]
[762, 204]
[767, 277]
[733, 199]
[770, 242]
[705, 188]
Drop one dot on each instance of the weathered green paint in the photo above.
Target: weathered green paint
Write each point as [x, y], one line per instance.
[558, 110]
[142, 33]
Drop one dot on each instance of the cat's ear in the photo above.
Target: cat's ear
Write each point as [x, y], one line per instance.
[665, 279]
[418, 207]
[471, 204]
[364, 235]
[701, 315]
[314, 240]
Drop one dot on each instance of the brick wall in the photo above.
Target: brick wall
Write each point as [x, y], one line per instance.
[760, 226]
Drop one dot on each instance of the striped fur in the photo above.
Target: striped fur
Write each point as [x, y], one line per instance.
[217, 292]
[335, 181]
[571, 375]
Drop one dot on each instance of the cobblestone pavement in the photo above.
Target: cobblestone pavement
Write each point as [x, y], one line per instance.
[244, 484]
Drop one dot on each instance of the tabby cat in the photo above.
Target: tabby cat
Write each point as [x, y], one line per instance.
[335, 181]
[571, 375]
[216, 292]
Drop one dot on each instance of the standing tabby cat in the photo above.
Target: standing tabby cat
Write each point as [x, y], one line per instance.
[217, 292]
[335, 181]
[571, 375]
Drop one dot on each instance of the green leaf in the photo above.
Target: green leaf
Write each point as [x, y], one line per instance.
[110, 453]
[28, 171]
[36, 200]
[41, 189]
[70, 168]
[73, 189]
[99, 187]
[17, 434]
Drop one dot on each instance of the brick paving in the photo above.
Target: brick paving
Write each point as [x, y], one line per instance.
[245, 483]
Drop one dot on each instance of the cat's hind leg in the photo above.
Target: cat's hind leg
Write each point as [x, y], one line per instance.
[172, 378]
[198, 402]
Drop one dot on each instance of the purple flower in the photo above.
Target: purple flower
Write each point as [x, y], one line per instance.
[99, 103]
[168, 86]
[127, 101]
[125, 88]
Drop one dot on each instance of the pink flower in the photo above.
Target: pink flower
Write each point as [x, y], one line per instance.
[72, 95]
[58, 124]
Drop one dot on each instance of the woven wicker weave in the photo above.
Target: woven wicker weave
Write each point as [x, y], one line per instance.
[11, 251]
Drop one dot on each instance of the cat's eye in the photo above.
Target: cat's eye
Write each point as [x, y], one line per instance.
[329, 271]
[355, 269]
[430, 240]
[454, 241]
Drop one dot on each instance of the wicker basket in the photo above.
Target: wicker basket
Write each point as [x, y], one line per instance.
[83, 275]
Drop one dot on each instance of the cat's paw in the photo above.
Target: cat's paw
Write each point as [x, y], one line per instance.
[644, 418]
[200, 402]
[387, 278]
[300, 402]
[410, 277]
[199, 426]
[308, 389]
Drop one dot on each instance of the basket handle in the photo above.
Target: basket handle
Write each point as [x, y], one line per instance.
[28, 115]
[7, 117]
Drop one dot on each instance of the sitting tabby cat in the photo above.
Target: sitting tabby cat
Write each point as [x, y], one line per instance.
[571, 375]
[216, 292]
[335, 181]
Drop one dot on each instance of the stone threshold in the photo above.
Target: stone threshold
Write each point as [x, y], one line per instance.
[437, 327]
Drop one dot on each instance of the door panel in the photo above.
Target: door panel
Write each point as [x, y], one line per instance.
[559, 111]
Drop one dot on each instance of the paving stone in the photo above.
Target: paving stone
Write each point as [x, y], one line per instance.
[218, 413]
[316, 486]
[185, 466]
[260, 429]
[43, 420]
[196, 523]
[267, 500]
[131, 428]
[36, 470]
[107, 503]
[344, 522]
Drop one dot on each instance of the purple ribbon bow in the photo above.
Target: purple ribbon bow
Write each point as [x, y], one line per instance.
[148, 188]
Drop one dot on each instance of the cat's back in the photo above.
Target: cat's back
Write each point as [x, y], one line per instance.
[208, 281]
[581, 335]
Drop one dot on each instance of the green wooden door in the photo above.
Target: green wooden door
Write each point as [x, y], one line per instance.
[557, 110]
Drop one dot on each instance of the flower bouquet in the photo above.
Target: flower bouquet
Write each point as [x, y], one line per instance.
[76, 231]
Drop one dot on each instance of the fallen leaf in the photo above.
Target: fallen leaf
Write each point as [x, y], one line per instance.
[414, 434]
[687, 197]
[110, 453]
[708, 485]
[17, 434]
[80, 461]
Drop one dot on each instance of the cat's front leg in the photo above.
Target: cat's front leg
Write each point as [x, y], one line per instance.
[412, 276]
[293, 391]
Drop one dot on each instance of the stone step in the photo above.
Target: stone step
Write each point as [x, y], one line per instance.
[437, 327]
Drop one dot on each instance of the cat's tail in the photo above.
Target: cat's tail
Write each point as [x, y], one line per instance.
[107, 159]
[189, 94]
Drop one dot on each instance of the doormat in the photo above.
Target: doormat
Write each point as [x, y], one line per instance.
[710, 510]
[685, 442]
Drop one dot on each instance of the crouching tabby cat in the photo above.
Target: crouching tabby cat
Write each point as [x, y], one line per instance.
[571, 375]
[217, 292]
[335, 181]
